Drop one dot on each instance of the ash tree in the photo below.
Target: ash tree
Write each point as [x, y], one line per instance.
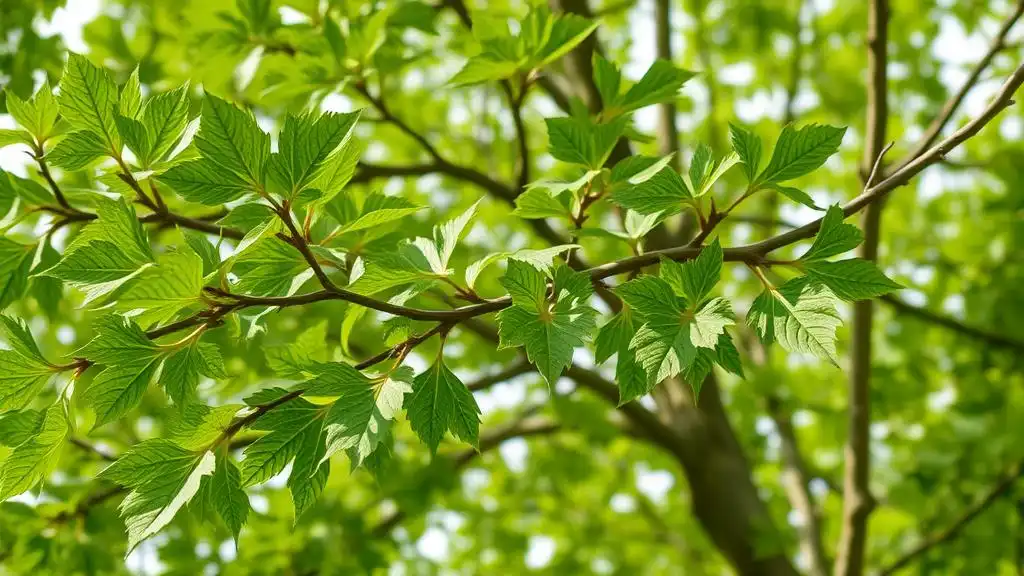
[261, 303]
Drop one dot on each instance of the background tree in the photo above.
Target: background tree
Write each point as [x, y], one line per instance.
[328, 287]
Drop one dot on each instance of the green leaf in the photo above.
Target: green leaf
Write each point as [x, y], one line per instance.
[748, 147]
[88, 99]
[19, 426]
[483, 69]
[608, 80]
[441, 403]
[78, 150]
[227, 495]
[796, 195]
[364, 409]
[165, 118]
[290, 427]
[660, 83]
[438, 251]
[305, 143]
[135, 136]
[33, 460]
[852, 280]
[303, 355]
[131, 362]
[37, 115]
[379, 210]
[662, 192]
[231, 139]
[10, 137]
[695, 278]
[537, 203]
[129, 103]
[727, 356]
[548, 328]
[163, 290]
[800, 152]
[567, 31]
[118, 341]
[579, 141]
[182, 369]
[709, 323]
[834, 237]
[801, 316]
[23, 369]
[15, 264]
[270, 268]
[163, 478]
[639, 167]
[614, 339]
[541, 259]
[206, 182]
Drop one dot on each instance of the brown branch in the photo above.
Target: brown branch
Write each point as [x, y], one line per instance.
[988, 338]
[931, 134]
[1001, 488]
[667, 130]
[858, 501]
[795, 478]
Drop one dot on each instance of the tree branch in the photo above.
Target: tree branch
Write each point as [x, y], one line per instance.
[795, 478]
[857, 499]
[988, 338]
[933, 131]
[1001, 488]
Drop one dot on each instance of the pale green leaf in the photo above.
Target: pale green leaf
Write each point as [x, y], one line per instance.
[78, 150]
[852, 280]
[834, 237]
[88, 99]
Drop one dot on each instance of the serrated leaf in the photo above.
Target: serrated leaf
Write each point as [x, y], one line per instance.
[38, 115]
[10, 137]
[297, 358]
[796, 195]
[270, 268]
[227, 495]
[801, 316]
[78, 150]
[549, 328]
[608, 80]
[663, 192]
[305, 143]
[163, 290]
[438, 251]
[230, 138]
[567, 31]
[834, 237]
[135, 136]
[31, 461]
[709, 323]
[165, 118]
[801, 151]
[537, 203]
[182, 370]
[88, 99]
[694, 279]
[541, 259]
[23, 370]
[291, 427]
[580, 141]
[748, 147]
[441, 403]
[19, 426]
[379, 210]
[852, 280]
[206, 182]
[639, 167]
[163, 478]
[660, 83]
[15, 264]
[129, 103]
[483, 69]
[119, 388]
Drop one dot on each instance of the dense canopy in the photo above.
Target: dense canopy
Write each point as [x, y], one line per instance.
[642, 287]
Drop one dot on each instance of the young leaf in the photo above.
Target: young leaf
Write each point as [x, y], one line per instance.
[660, 83]
[566, 32]
[549, 328]
[695, 278]
[748, 147]
[206, 182]
[441, 403]
[801, 151]
[129, 103]
[852, 280]
[88, 98]
[38, 115]
[182, 369]
[227, 495]
[834, 237]
[613, 339]
[23, 370]
[446, 236]
[270, 268]
[231, 139]
[579, 141]
[31, 461]
[709, 323]
[663, 192]
[15, 264]
[608, 80]
[800, 315]
[163, 477]
[163, 290]
[305, 142]
[796, 195]
[165, 118]
[78, 150]
[538, 202]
